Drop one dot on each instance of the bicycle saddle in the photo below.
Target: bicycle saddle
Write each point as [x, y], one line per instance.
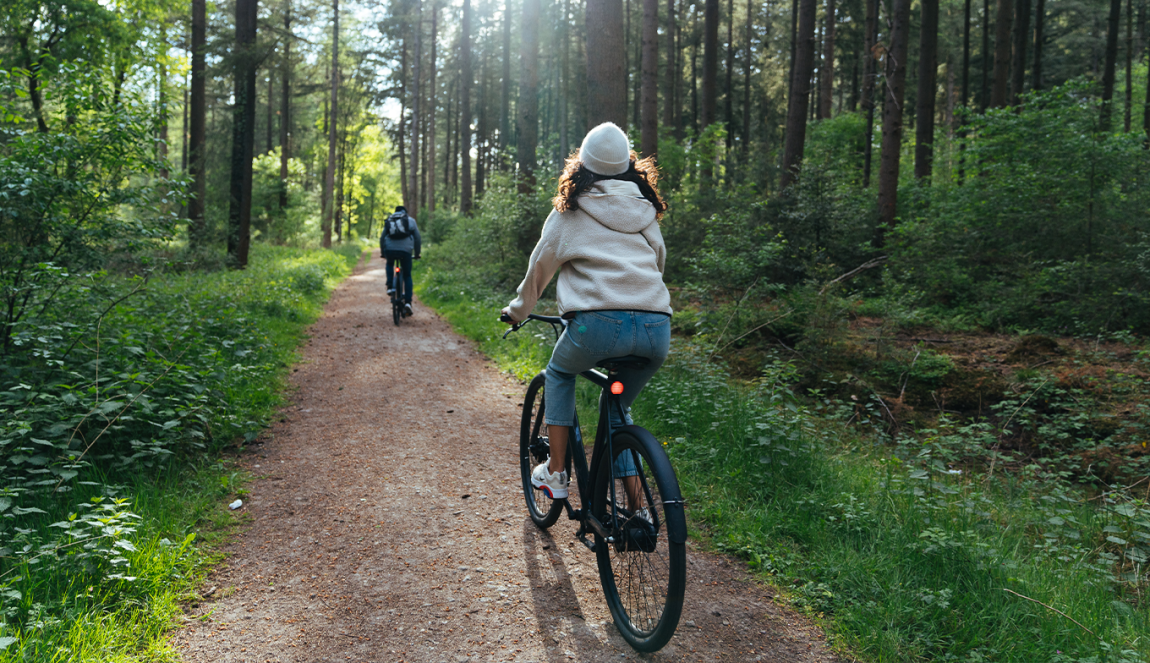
[627, 361]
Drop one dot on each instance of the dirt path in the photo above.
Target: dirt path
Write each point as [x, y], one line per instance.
[388, 524]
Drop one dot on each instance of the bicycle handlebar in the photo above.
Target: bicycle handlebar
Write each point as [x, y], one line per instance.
[553, 320]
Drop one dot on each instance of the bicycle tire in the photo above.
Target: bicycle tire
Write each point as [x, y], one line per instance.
[643, 571]
[534, 449]
[396, 313]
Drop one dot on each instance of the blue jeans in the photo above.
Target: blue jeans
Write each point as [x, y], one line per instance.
[597, 335]
[404, 259]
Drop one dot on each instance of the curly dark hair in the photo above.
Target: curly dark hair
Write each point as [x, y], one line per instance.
[576, 180]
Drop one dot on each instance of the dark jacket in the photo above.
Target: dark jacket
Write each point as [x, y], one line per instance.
[411, 244]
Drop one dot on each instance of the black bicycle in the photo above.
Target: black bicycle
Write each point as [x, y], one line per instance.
[398, 310]
[633, 521]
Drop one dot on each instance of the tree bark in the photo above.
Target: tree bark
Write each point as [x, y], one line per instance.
[672, 71]
[1021, 38]
[827, 70]
[243, 135]
[465, 79]
[329, 175]
[892, 116]
[197, 121]
[1039, 38]
[869, 75]
[412, 203]
[747, 82]
[431, 111]
[794, 45]
[505, 100]
[729, 90]
[927, 87]
[564, 81]
[984, 99]
[1111, 64]
[606, 84]
[966, 53]
[999, 95]
[162, 84]
[285, 109]
[710, 61]
[271, 112]
[649, 103]
[527, 120]
[1129, 65]
[804, 60]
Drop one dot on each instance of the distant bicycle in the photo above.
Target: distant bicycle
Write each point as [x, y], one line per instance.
[399, 311]
[630, 505]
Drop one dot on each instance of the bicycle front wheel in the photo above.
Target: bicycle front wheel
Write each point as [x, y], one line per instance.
[643, 570]
[534, 448]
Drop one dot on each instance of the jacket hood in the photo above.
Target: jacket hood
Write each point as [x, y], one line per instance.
[618, 205]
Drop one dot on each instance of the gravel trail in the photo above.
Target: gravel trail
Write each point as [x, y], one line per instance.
[387, 524]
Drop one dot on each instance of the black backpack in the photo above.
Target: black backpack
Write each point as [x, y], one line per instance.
[397, 226]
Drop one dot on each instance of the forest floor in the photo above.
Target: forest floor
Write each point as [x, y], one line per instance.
[386, 523]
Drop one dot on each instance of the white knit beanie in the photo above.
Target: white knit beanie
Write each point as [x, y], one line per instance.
[606, 150]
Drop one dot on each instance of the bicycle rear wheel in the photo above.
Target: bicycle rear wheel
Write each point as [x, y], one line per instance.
[644, 570]
[396, 312]
[534, 448]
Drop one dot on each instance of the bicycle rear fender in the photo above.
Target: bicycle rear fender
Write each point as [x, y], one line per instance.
[658, 457]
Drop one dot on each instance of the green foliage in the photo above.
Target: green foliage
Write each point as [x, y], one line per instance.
[100, 401]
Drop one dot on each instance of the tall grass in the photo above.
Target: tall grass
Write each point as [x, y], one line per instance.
[103, 528]
[903, 556]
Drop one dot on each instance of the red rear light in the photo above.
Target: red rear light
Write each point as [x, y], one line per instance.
[616, 388]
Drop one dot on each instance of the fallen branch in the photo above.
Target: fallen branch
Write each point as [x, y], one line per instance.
[874, 262]
[1011, 591]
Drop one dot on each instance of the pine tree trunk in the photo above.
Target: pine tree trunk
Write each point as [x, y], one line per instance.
[966, 53]
[710, 61]
[271, 112]
[984, 98]
[1039, 38]
[433, 93]
[197, 121]
[527, 120]
[465, 80]
[927, 86]
[649, 111]
[481, 135]
[243, 135]
[827, 70]
[329, 175]
[565, 81]
[606, 84]
[747, 82]
[1108, 71]
[804, 59]
[729, 90]
[868, 86]
[999, 95]
[1021, 38]
[162, 99]
[671, 72]
[505, 100]
[1129, 65]
[412, 201]
[892, 116]
[794, 45]
[285, 109]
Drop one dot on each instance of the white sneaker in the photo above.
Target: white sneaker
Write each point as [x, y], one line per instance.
[645, 515]
[555, 485]
[407, 309]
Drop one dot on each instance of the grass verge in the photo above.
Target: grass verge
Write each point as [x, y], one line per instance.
[902, 557]
[115, 480]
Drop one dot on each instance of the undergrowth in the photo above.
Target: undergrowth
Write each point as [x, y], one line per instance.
[904, 552]
[115, 411]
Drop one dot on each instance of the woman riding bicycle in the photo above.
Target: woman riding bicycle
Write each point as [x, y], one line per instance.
[603, 238]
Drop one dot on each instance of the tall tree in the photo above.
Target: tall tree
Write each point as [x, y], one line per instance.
[527, 121]
[1021, 39]
[505, 98]
[649, 111]
[465, 79]
[243, 134]
[927, 86]
[747, 81]
[892, 114]
[797, 104]
[1039, 39]
[564, 79]
[999, 95]
[1129, 65]
[710, 61]
[433, 93]
[285, 108]
[329, 202]
[671, 73]
[869, 76]
[606, 84]
[984, 98]
[197, 121]
[827, 70]
[412, 203]
[729, 90]
[966, 53]
[1108, 71]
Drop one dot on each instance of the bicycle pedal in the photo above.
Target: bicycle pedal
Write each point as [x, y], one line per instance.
[590, 544]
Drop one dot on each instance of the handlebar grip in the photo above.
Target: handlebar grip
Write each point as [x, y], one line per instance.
[503, 317]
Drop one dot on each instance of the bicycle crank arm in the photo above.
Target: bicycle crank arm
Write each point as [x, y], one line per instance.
[599, 529]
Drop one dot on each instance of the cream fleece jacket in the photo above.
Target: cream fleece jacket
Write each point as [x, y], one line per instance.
[609, 254]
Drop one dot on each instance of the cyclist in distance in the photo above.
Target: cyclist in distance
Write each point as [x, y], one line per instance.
[603, 238]
[400, 241]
